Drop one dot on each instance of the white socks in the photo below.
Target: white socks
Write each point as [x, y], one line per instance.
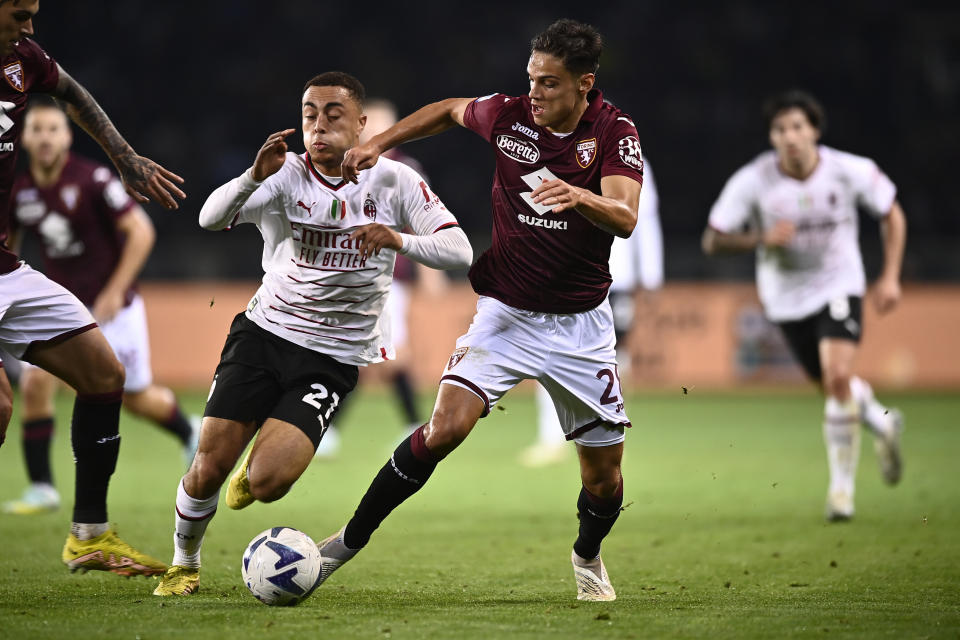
[875, 416]
[192, 518]
[89, 531]
[841, 434]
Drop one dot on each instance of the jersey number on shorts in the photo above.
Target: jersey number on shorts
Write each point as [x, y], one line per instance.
[612, 377]
[315, 400]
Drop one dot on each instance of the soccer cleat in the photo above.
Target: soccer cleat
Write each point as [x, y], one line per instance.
[887, 448]
[107, 552]
[544, 454]
[238, 491]
[333, 555]
[39, 497]
[839, 506]
[190, 448]
[179, 581]
[593, 584]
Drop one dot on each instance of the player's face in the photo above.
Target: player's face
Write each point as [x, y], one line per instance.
[555, 92]
[16, 22]
[332, 122]
[46, 136]
[793, 137]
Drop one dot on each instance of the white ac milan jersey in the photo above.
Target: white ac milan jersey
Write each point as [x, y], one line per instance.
[822, 262]
[318, 291]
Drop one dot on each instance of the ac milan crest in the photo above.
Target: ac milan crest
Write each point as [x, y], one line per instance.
[14, 74]
[457, 356]
[586, 151]
[370, 208]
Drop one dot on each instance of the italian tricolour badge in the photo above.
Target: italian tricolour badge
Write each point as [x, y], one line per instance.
[338, 209]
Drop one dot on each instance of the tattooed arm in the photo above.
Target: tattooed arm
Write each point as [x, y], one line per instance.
[143, 178]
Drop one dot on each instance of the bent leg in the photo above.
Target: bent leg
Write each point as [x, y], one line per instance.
[37, 387]
[6, 404]
[600, 498]
[279, 457]
[456, 412]
[159, 405]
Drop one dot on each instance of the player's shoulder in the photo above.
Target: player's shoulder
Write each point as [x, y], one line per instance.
[295, 169]
[844, 161]
[28, 48]
[392, 175]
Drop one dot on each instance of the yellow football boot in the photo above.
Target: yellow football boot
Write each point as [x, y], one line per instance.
[107, 552]
[238, 491]
[178, 581]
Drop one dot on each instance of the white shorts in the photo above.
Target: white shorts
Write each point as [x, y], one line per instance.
[571, 355]
[127, 335]
[399, 302]
[34, 309]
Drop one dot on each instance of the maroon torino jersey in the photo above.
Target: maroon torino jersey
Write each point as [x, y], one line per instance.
[539, 260]
[27, 70]
[76, 220]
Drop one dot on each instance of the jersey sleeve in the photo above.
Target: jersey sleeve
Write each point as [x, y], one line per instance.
[733, 208]
[40, 71]
[481, 114]
[874, 191]
[243, 200]
[423, 211]
[110, 194]
[621, 154]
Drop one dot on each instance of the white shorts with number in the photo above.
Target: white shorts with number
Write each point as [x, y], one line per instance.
[35, 309]
[399, 302]
[571, 355]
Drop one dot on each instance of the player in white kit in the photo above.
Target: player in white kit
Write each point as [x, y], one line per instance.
[568, 176]
[636, 264]
[328, 256]
[800, 201]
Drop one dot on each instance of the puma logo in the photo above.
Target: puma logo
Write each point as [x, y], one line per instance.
[300, 204]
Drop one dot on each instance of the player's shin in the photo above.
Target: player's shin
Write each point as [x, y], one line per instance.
[37, 435]
[841, 434]
[191, 520]
[597, 516]
[95, 436]
[404, 474]
[875, 416]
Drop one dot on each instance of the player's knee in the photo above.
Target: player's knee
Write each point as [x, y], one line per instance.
[35, 395]
[602, 483]
[836, 382]
[446, 430]
[268, 487]
[108, 376]
[207, 474]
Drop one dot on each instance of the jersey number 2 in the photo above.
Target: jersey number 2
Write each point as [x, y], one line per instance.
[315, 401]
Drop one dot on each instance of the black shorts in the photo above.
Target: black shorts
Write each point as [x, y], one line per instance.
[262, 376]
[839, 319]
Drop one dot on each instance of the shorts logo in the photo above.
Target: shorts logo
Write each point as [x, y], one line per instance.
[14, 74]
[839, 309]
[586, 152]
[519, 150]
[370, 208]
[630, 154]
[457, 356]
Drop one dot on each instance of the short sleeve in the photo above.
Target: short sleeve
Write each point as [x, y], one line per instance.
[423, 210]
[874, 191]
[733, 208]
[481, 114]
[621, 154]
[109, 191]
[40, 71]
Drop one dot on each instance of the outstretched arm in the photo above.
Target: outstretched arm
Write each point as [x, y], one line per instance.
[427, 121]
[143, 178]
[894, 230]
[139, 235]
[717, 242]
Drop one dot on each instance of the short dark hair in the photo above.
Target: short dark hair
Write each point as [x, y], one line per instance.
[576, 44]
[339, 79]
[795, 99]
[43, 101]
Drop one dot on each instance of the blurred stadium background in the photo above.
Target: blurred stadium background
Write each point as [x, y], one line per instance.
[197, 86]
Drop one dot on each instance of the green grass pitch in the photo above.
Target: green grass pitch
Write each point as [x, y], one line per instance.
[724, 536]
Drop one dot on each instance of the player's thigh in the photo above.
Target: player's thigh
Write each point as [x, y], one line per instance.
[311, 402]
[219, 447]
[803, 340]
[837, 356]
[6, 403]
[281, 453]
[502, 347]
[84, 361]
[128, 336]
[839, 328]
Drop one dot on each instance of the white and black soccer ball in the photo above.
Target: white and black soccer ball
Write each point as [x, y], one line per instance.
[281, 566]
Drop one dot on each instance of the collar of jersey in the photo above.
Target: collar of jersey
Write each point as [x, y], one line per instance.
[316, 174]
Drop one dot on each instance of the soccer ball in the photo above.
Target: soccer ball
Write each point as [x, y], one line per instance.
[281, 566]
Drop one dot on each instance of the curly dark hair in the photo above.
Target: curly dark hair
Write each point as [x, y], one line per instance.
[339, 79]
[795, 99]
[576, 44]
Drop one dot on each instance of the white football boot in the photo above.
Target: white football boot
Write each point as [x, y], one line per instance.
[593, 584]
[887, 448]
[839, 505]
[333, 555]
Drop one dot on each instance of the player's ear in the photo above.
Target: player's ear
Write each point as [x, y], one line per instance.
[361, 123]
[587, 81]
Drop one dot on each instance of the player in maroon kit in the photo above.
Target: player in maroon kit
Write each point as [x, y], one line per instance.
[43, 323]
[568, 178]
[95, 241]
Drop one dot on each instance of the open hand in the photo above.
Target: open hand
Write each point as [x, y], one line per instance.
[145, 180]
[271, 155]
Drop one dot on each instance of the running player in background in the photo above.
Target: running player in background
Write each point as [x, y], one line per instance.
[292, 357]
[43, 323]
[95, 240]
[636, 266]
[568, 178]
[801, 199]
[407, 276]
